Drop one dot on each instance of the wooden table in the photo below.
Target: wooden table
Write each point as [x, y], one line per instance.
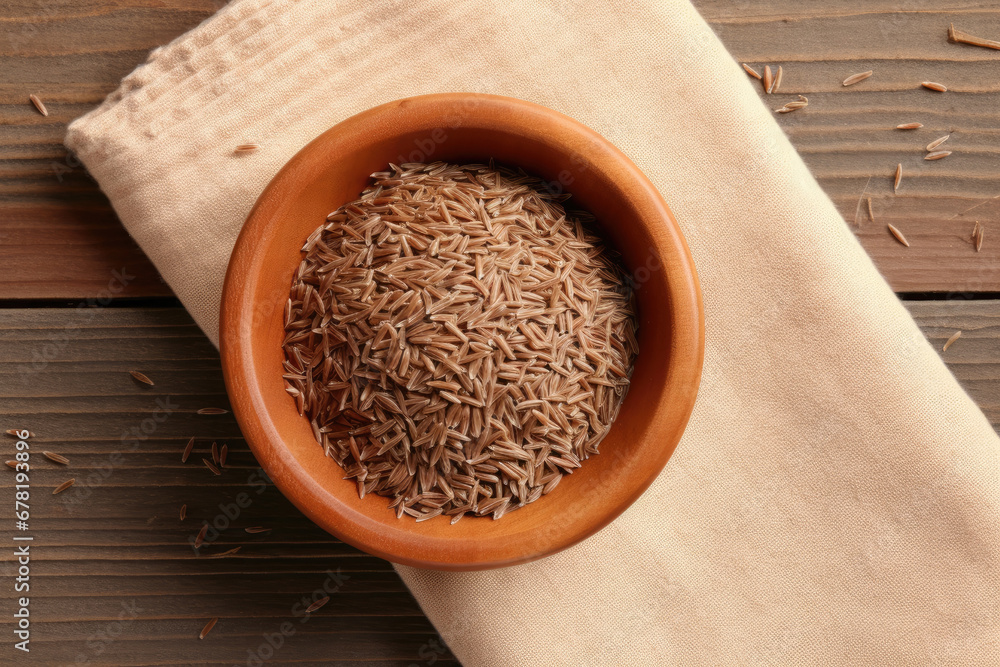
[114, 578]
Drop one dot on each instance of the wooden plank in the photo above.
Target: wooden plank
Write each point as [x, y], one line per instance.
[321, 627]
[218, 598]
[115, 538]
[219, 647]
[59, 237]
[215, 567]
[276, 586]
[54, 246]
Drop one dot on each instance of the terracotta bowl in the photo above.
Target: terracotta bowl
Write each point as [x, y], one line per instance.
[333, 170]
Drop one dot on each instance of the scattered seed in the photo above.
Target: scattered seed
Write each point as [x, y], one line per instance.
[253, 530]
[184, 511]
[803, 101]
[211, 466]
[910, 126]
[899, 177]
[38, 105]
[14, 432]
[208, 628]
[857, 209]
[899, 236]
[955, 336]
[937, 142]
[871, 214]
[223, 453]
[200, 538]
[959, 37]
[212, 411]
[65, 485]
[247, 148]
[226, 553]
[777, 81]
[58, 458]
[187, 451]
[937, 155]
[215, 453]
[751, 71]
[768, 79]
[930, 85]
[977, 235]
[317, 604]
[141, 377]
[855, 78]
[12, 465]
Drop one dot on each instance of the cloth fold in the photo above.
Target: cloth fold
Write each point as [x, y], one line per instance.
[835, 498]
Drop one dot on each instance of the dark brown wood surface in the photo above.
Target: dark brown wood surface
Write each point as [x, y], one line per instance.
[60, 239]
[116, 538]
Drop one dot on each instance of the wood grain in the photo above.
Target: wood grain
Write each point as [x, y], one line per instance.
[974, 358]
[847, 136]
[59, 237]
[115, 538]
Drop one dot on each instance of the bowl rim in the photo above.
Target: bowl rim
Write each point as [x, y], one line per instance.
[250, 408]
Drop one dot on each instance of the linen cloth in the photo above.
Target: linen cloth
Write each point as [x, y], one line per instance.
[835, 497]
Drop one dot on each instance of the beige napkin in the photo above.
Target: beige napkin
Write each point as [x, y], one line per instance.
[835, 498]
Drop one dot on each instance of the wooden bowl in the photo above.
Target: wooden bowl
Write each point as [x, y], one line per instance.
[333, 170]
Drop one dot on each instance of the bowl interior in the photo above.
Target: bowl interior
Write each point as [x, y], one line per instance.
[333, 170]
